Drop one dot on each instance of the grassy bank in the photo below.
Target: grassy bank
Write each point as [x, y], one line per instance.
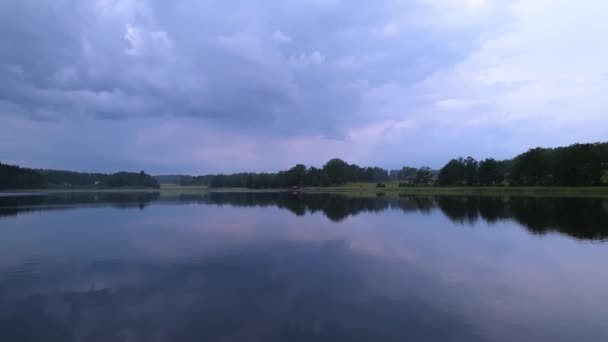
[164, 186]
[475, 191]
[470, 190]
[393, 188]
[363, 189]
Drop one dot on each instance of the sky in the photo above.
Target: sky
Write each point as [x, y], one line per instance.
[215, 86]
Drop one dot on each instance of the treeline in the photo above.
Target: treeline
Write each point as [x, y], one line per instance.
[574, 165]
[334, 172]
[15, 177]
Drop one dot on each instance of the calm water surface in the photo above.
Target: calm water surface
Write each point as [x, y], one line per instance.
[283, 267]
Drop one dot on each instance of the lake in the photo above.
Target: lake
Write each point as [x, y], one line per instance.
[301, 267]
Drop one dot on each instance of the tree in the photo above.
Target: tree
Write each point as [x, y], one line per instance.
[295, 176]
[452, 173]
[491, 172]
[130, 179]
[470, 171]
[424, 176]
[325, 181]
[313, 176]
[532, 168]
[337, 171]
[604, 179]
[578, 165]
[407, 173]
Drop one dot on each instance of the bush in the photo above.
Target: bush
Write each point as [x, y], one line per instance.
[380, 185]
[403, 185]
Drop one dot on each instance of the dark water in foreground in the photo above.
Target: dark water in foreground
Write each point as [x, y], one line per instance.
[282, 267]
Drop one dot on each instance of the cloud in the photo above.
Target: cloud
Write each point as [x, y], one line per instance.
[133, 37]
[475, 3]
[544, 72]
[305, 60]
[281, 37]
[387, 31]
[468, 76]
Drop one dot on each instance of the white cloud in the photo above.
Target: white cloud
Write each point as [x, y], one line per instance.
[127, 9]
[449, 15]
[162, 38]
[389, 30]
[305, 60]
[475, 3]
[281, 37]
[545, 71]
[134, 40]
[456, 104]
[138, 40]
[249, 46]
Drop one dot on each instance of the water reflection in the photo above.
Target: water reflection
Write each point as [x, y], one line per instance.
[581, 218]
[267, 292]
[241, 267]
[13, 205]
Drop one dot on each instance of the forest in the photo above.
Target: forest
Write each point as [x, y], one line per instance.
[14, 177]
[334, 172]
[574, 165]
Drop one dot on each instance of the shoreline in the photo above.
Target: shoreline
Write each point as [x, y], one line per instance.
[355, 189]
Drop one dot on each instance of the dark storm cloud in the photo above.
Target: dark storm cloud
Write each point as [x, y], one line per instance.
[266, 64]
[216, 86]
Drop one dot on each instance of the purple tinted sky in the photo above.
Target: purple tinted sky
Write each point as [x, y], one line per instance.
[210, 86]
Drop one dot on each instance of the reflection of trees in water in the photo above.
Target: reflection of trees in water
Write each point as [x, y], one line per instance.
[493, 209]
[422, 204]
[577, 217]
[335, 207]
[583, 218]
[13, 205]
[460, 209]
